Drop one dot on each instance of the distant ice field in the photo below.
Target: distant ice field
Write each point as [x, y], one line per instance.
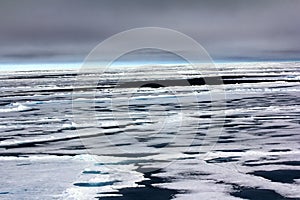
[154, 132]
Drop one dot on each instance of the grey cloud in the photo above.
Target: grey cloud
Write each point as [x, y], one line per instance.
[228, 29]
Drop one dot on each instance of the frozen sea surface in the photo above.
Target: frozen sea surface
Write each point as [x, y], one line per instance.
[139, 133]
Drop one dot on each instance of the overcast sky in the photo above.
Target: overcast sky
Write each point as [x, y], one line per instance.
[66, 30]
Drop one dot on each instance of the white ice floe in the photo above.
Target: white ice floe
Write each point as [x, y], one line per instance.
[109, 176]
[153, 127]
[216, 180]
[14, 107]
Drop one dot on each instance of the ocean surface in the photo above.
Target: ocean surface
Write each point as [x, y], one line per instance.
[151, 132]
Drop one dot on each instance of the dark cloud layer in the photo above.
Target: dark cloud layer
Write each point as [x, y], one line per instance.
[66, 30]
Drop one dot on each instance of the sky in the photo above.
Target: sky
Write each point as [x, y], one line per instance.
[67, 30]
